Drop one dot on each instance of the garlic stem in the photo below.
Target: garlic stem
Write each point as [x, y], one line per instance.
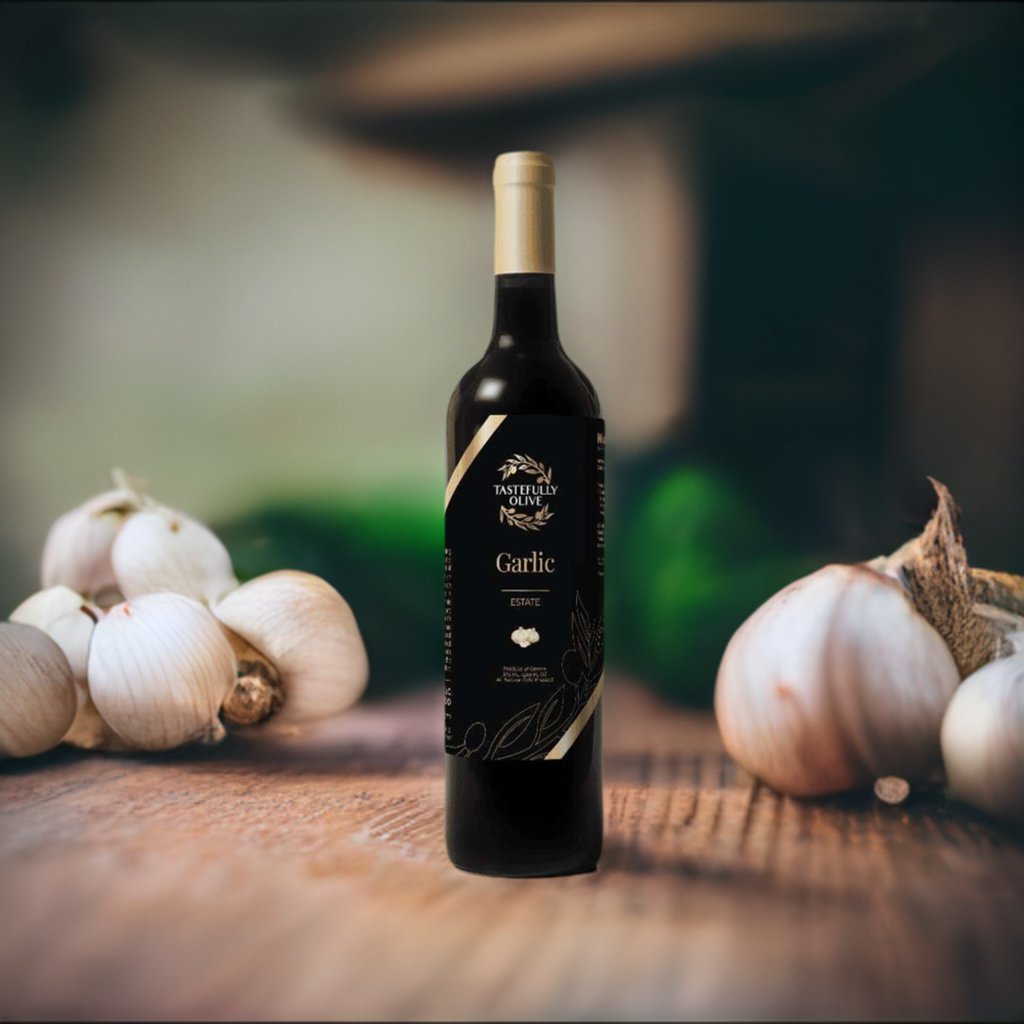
[934, 572]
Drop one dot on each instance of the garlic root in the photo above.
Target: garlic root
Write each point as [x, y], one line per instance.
[258, 692]
[891, 789]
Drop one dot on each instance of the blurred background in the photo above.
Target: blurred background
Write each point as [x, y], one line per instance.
[246, 254]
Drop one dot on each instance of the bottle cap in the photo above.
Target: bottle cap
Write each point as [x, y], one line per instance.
[524, 168]
[524, 224]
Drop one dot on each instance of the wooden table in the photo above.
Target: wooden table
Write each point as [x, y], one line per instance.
[305, 877]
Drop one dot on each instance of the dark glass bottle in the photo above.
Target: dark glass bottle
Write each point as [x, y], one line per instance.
[523, 811]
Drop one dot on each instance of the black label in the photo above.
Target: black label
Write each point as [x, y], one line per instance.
[524, 587]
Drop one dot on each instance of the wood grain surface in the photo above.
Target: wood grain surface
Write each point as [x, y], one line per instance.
[304, 876]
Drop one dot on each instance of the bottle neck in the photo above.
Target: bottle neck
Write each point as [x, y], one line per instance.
[524, 252]
[524, 313]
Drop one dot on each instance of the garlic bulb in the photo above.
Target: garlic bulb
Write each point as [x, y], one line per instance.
[308, 632]
[37, 691]
[833, 682]
[77, 550]
[983, 739]
[69, 620]
[160, 549]
[159, 670]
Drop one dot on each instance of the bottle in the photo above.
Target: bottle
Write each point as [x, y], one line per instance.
[524, 570]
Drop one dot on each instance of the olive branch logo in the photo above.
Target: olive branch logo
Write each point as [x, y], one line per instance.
[525, 520]
[525, 464]
[529, 466]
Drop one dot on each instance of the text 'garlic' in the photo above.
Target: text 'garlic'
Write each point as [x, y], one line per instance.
[159, 670]
[833, 682]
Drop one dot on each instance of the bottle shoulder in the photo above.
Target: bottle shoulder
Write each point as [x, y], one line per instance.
[516, 384]
[525, 383]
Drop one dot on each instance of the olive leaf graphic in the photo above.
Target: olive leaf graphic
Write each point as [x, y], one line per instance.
[583, 634]
[516, 736]
[525, 464]
[524, 520]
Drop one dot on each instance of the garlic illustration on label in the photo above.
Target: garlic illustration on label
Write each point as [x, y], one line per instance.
[525, 637]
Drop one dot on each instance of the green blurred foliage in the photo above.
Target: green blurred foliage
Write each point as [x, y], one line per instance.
[689, 560]
[385, 556]
[692, 561]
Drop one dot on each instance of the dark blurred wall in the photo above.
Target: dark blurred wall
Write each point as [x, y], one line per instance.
[791, 252]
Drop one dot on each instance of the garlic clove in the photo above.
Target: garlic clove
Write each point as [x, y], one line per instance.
[77, 549]
[983, 739]
[37, 691]
[308, 632]
[833, 682]
[69, 619]
[162, 550]
[159, 670]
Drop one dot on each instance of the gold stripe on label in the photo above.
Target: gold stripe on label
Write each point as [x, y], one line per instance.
[561, 748]
[473, 449]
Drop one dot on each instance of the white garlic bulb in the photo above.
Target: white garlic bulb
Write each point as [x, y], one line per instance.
[159, 670]
[69, 619]
[833, 682]
[162, 550]
[77, 550]
[37, 691]
[983, 739]
[307, 631]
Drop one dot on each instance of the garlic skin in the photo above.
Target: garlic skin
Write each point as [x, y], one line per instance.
[37, 691]
[69, 619]
[65, 617]
[77, 550]
[162, 550]
[983, 739]
[159, 670]
[834, 682]
[307, 631]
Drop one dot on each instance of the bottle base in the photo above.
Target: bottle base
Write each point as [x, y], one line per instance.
[526, 870]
